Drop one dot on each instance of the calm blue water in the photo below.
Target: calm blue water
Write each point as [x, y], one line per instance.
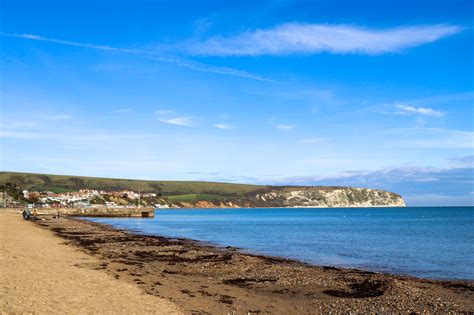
[424, 242]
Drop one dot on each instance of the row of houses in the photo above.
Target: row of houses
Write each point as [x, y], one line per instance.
[130, 194]
[83, 197]
[81, 194]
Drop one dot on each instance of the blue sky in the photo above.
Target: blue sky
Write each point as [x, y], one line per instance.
[369, 93]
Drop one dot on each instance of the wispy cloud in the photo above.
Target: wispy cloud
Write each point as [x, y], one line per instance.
[123, 110]
[389, 175]
[202, 25]
[58, 117]
[70, 43]
[164, 111]
[178, 121]
[462, 161]
[284, 127]
[90, 167]
[24, 135]
[443, 99]
[75, 138]
[202, 67]
[310, 140]
[316, 38]
[18, 124]
[151, 55]
[413, 110]
[222, 126]
[164, 116]
[432, 138]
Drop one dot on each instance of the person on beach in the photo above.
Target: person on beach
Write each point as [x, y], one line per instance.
[26, 214]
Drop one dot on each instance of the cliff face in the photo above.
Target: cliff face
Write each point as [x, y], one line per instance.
[336, 197]
[306, 197]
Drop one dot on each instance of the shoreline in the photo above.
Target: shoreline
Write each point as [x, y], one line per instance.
[288, 207]
[201, 277]
[249, 252]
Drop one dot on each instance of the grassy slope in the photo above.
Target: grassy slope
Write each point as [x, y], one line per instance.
[195, 197]
[59, 183]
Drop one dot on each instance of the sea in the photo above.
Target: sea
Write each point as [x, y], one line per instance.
[427, 242]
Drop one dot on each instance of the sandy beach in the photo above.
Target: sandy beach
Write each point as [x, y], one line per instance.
[39, 273]
[161, 275]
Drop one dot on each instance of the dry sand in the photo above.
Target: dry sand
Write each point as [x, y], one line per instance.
[41, 274]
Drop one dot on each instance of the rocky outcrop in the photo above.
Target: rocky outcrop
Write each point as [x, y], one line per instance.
[331, 197]
[321, 196]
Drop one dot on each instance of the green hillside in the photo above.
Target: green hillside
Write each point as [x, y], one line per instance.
[61, 183]
[196, 197]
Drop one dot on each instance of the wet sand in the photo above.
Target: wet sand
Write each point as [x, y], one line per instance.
[41, 274]
[199, 278]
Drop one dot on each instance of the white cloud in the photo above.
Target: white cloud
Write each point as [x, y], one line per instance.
[462, 161]
[18, 124]
[438, 200]
[284, 127]
[225, 116]
[25, 135]
[201, 67]
[309, 140]
[71, 137]
[110, 137]
[74, 147]
[409, 110]
[58, 117]
[164, 117]
[222, 126]
[445, 98]
[164, 112]
[316, 38]
[151, 55]
[136, 165]
[178, 121]
[203, 24]
[432, 138]
[123, 110]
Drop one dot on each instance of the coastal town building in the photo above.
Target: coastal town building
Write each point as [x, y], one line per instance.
[88, 198]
